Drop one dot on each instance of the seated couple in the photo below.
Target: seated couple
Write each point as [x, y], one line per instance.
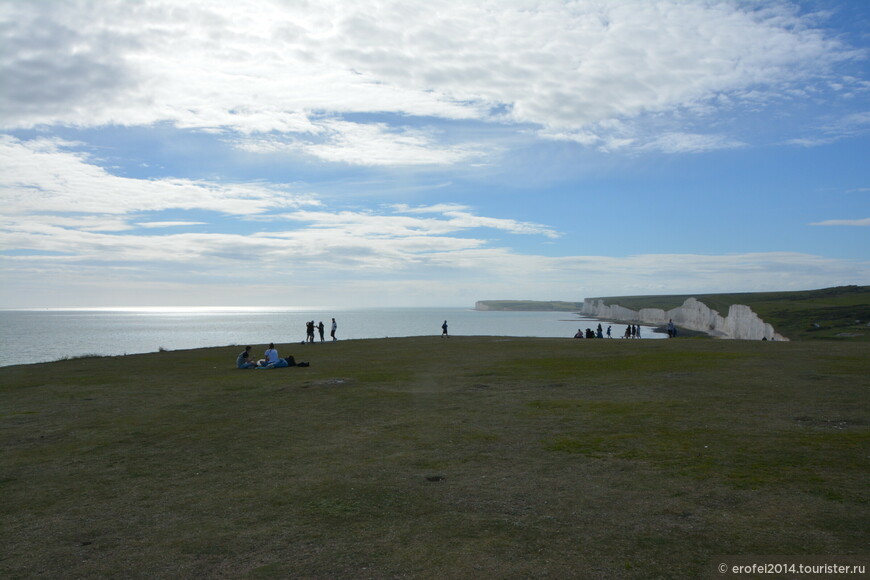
[272, 360]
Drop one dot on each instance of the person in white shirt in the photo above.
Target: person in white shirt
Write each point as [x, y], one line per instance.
[271, 354]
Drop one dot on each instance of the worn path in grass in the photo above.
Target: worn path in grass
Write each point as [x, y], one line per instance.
[465, 457]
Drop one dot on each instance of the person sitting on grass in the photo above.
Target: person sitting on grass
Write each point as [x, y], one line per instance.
[271, 355]
[243, 361]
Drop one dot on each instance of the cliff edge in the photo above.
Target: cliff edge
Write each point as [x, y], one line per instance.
[740, 323]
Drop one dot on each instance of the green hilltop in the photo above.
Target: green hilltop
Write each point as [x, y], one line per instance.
[842, 312]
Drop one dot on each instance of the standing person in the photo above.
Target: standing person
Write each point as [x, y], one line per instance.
[334, 328]
[608, 331]
[627, 332]
[309, 329]
[320, 330]
[444, 329]
[637, 332]
[671, 330]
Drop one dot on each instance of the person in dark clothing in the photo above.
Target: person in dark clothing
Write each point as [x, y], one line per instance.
[243, 361]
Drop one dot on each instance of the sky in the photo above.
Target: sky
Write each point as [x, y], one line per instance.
[378, 153]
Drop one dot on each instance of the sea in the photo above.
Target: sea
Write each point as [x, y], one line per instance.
[43, 335]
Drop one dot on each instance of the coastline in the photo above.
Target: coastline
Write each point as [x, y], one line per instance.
[52, 335]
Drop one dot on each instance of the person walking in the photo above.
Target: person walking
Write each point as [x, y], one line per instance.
[334, 328]
[320, 329]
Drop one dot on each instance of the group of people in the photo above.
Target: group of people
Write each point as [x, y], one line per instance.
[592, 333]
[310, 327]
[631, 331]
[270, 360]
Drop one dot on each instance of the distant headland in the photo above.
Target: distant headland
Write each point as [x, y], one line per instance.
[528, 305]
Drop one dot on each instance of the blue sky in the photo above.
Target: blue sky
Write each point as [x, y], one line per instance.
[377, 153]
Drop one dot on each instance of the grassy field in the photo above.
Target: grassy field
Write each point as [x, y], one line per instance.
[465, 457]
[841, 313]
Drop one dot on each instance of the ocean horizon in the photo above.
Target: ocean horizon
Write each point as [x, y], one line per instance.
[34, 335]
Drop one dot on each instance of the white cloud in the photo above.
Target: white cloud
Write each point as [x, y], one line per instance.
[313, 268]
[269, 70]
[437, 208]
[44, 176]
[373, 144]
[168, 224]
[378, 84]
[855, 222]
[845, 127]
[407, 243]
[61, 208]
[692, 143]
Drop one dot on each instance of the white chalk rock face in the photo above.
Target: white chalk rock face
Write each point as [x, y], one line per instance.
[741, 322]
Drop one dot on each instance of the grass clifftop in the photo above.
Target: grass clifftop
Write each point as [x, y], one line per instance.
[467, 457]
[842, 312]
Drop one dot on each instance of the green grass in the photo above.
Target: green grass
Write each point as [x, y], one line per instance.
[466, 457]
[840, 313]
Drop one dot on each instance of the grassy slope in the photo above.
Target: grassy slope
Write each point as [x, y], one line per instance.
[793, 314]
[435, 458]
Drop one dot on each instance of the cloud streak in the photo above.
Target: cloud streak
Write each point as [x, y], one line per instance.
[855, 222]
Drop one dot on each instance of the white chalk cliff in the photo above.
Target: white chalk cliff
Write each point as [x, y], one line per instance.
[741, 322]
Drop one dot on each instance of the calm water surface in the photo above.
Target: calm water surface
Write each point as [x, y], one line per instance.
[31, 336]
